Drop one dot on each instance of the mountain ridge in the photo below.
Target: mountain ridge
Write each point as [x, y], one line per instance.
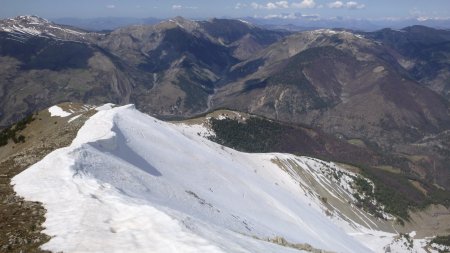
[119, 130]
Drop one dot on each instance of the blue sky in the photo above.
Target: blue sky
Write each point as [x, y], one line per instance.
[366, 9]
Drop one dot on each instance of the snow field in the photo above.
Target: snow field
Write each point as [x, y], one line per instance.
[131, 183]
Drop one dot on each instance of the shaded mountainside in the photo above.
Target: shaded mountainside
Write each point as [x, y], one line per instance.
[243, 38]
[338, 81]
[39, 71]
[170, 68]
[424, 52]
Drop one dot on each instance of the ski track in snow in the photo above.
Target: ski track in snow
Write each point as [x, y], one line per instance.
[132, 183]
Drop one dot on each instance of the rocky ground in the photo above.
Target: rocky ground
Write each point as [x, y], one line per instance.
[20, 220]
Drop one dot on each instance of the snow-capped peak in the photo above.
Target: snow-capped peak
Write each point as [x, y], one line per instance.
[331, 32]
[186, 24]
[30, 19]
[36, 26]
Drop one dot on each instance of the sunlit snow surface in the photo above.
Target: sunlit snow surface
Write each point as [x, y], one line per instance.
[131, 183]
[56, 111]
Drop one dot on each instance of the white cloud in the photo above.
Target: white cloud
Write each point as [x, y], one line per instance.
[240, 6]
[110, 6]
[352, 5]
[282, 4]
[281, 16]
[179, 7]
[336, 5]
[291, 16]
[271, 5]
[304, 4]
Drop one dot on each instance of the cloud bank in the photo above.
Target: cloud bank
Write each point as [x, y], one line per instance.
[352, 5]
[304, 4]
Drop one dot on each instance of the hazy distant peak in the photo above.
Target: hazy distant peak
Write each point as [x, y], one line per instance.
[180, 19]
[246, 22]
[184, 23]
[340, 33]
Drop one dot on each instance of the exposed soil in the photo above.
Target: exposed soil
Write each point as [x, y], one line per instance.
[433, 221]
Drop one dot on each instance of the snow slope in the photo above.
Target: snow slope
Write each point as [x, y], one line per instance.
[132, 183]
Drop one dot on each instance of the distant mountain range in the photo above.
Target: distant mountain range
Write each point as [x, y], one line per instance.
[106, 23]
[386, 90]
[299, 22]
[294, 22]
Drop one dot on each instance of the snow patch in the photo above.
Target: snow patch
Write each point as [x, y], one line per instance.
[74, 118]
[56, 111]
[246, 22]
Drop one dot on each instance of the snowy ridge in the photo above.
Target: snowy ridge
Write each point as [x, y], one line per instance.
[346, 35]
[36, 26]
[131, 183]
[185, 24]
[249, 24]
